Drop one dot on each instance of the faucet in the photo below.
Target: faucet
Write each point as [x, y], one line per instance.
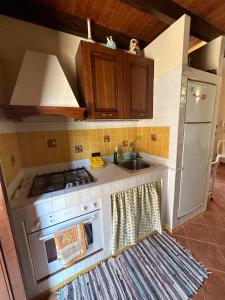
[134, 154]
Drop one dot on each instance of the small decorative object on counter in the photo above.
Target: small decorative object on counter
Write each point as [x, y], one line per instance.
[116, 156]
[110, 42]
[135, 47]
[97, 162]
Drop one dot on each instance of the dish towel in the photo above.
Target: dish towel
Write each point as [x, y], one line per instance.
[71, 244]
[135, 213]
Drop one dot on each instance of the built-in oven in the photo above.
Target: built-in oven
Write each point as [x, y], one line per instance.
[43, 249]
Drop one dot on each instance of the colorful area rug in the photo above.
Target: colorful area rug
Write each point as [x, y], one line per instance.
[156, 268]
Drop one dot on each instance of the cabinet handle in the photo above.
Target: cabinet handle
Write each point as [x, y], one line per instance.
[106, 115]
[140, 115]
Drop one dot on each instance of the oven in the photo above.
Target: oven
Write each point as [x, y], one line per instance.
[43, 249]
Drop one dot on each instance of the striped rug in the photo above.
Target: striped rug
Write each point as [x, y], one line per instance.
[156, 268]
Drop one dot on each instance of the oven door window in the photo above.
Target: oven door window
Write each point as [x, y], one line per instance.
[51, 248]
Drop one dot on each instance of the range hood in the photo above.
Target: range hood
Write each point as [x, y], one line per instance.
[42, 88]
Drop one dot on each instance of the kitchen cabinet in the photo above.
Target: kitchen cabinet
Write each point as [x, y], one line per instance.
[113, 84]
[100, 74]
[5, 291]
[138, 87]
[11, 283]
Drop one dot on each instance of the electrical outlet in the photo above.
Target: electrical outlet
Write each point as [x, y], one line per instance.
[51, 143]
[78, 148]
[153, 137]
[13, 160]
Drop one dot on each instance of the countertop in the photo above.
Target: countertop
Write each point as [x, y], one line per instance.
[110, 173]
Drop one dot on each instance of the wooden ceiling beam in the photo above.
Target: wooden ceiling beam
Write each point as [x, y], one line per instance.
[46, 16]
[169, 11]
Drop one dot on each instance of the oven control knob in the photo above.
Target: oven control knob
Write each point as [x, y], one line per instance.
[84, 208]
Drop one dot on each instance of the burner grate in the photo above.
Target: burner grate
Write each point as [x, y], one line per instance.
[57, 181]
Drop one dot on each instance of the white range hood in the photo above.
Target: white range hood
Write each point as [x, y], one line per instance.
[42, 82]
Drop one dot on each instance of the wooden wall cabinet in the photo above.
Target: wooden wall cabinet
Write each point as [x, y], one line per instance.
[138, 87]
[113, 84]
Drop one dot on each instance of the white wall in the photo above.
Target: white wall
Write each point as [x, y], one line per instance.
[220, 131]
[170, 48]
[17, 36]
[210, 56]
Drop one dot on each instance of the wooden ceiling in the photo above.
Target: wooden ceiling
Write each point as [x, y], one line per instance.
[124, 19]
[212, 11]
[113, 14]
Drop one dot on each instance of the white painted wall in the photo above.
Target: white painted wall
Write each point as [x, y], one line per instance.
[210, 56]
[170, 48]
[220, 132]
[18, 36]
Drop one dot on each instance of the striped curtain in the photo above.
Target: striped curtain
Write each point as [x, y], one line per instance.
[135, 213]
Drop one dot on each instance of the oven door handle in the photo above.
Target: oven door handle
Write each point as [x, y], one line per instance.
[51, 235]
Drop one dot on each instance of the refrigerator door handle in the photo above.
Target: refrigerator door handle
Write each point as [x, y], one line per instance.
[197, 122]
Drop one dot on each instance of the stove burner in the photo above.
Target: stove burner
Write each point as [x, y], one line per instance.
[58, 181]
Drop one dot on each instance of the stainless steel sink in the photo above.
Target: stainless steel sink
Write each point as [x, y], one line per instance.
[135, 165]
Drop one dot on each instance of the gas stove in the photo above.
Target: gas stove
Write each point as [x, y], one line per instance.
[51, 182]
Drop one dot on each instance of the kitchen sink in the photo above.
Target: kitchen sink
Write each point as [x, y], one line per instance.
[135, 165]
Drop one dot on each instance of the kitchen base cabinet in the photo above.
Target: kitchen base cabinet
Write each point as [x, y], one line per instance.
[114, 84]
[5, 291]
[11, 283]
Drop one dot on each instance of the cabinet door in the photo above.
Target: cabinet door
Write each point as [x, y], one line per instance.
[11, 283]
[5, 290]
[138, 87]
[103, 80]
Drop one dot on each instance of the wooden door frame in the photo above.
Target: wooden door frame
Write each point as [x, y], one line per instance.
[8, 246]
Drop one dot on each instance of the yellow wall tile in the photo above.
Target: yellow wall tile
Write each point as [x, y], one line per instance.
[9, 147]
[30, 149]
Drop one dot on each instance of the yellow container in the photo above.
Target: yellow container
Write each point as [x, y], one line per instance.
[97, 162]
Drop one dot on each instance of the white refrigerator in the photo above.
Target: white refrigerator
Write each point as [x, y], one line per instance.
[200, 105]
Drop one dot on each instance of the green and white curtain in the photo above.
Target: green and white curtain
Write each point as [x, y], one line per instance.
[135, 213]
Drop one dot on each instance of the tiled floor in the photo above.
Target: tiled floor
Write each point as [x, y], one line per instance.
[205, 237]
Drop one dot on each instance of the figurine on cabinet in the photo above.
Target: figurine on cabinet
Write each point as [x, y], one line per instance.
[110, 42]
[135, 48]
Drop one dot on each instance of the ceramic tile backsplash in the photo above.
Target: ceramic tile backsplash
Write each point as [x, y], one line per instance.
[35, 151]
[10, 156]
[154, 140]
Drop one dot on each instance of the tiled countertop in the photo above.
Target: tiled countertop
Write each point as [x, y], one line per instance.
[110, 173]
